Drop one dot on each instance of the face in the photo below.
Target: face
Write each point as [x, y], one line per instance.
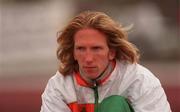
[92, 52]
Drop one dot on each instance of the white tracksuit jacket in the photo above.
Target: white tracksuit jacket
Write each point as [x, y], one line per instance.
[133, 81]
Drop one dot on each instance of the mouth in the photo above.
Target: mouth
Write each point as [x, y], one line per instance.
[89, 68]
[90, 71]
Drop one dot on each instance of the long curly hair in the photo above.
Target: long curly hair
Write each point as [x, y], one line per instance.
[115, 33]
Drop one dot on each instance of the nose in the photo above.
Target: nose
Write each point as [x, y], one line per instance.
[88, 56]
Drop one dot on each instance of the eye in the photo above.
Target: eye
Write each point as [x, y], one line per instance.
[96, 48]
[79, 48]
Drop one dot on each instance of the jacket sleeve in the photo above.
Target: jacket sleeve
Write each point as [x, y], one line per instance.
[52, 100]
[153, 100]
[148, 94]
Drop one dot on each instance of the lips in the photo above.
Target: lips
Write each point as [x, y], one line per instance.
[89, 68]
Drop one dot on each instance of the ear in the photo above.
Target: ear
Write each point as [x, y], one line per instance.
[112, 54]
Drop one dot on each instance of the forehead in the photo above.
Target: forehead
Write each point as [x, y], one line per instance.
[90, 35]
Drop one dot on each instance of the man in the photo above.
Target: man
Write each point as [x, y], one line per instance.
[99, 71]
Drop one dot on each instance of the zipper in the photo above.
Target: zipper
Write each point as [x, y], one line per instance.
[96, 96]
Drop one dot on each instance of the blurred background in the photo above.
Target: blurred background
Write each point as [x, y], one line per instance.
[28, 43]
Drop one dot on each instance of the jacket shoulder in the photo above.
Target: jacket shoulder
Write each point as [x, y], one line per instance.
[62, 86]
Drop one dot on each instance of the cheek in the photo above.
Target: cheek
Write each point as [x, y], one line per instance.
[78, 57]
[102, 59]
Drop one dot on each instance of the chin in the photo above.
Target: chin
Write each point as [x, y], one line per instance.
[93, 77]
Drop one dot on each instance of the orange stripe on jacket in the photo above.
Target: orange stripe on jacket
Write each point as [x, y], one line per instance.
[75, 107]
